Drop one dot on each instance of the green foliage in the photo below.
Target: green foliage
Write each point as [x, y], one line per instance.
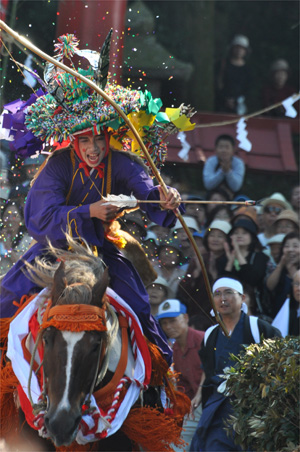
[265, 384]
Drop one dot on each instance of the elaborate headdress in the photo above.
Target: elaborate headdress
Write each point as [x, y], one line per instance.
[65, 106]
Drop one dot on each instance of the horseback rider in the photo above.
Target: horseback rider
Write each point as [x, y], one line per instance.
[67, 193]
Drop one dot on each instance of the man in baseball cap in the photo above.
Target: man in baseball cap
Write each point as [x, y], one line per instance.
[173, 318]
[170, 308]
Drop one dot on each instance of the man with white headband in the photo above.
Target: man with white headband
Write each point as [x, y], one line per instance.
[215, 353]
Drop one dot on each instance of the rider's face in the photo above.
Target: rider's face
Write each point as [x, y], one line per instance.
[92, 149]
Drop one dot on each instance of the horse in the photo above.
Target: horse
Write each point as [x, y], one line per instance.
[83, 370]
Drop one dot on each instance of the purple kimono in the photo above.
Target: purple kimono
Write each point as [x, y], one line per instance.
[60, 198]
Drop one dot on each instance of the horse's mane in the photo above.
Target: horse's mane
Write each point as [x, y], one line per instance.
[82, 270]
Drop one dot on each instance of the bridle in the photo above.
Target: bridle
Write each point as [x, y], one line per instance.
[86, 318]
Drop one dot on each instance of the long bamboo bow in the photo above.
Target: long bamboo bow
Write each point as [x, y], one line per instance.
[156, 173]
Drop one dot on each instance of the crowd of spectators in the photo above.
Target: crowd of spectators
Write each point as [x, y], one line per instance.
[263, 257]
[256, 246]
[234, 77]
[259, 246]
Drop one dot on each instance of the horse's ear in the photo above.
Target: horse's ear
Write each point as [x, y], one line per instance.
[59, 283]
[100, 288]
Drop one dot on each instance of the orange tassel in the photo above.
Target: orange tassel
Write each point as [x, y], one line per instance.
[181, 404]
[152, 430]
[5, 322]
[159, 365]
[9, 419]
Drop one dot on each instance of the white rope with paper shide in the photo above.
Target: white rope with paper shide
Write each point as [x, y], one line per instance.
[290, 111]
[241, 132]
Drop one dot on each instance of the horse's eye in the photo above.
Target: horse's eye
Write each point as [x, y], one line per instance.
[95, 347]
[47, 337]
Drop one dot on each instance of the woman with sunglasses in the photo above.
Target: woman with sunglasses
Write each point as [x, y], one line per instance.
[272, 207]
[279, 282]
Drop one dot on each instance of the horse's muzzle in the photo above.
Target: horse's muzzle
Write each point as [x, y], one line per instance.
[62, 427]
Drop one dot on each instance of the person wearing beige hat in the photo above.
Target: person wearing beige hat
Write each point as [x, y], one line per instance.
[215, 240]
[191, 224]
[287, 221]
[278, 87]
[233, 77]
[158, 291]
[271, 207]
[180, 234]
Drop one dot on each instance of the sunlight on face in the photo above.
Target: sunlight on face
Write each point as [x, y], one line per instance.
[216, 240]
[92, 149]
[291, 250]
[228, 301]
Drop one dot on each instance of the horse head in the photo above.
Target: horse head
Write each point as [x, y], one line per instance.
[95, 359]
[74, 333]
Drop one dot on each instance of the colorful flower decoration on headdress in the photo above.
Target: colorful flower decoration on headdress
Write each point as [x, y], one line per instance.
[66, 47]
[70, 106]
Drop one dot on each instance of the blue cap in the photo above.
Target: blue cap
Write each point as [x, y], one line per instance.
[199, 234]
[170, 308]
